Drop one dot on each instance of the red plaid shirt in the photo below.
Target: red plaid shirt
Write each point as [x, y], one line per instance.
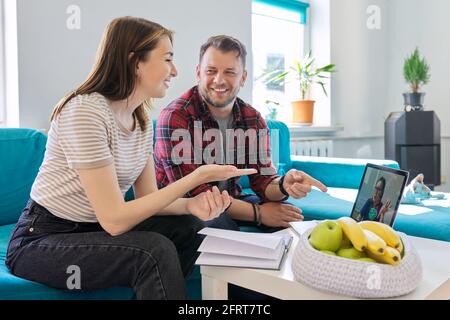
[181, 114]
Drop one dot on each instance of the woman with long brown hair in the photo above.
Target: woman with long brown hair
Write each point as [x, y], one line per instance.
[99, 145]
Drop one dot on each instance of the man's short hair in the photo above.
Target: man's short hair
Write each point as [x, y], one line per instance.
[225, 44]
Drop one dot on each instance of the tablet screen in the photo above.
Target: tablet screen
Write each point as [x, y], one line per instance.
[379, 194]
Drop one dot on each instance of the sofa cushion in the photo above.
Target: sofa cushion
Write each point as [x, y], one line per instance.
[14, 288]
[21, 154]
[337, 172]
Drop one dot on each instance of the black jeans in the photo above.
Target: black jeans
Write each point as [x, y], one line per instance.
[154, 258]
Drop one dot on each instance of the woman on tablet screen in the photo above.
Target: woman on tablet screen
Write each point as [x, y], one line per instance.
[374, 209]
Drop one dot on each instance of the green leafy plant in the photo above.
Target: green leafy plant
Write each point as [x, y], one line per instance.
[305, 72]
[416, 71]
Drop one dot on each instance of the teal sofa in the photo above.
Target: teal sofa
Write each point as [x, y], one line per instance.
[343, 177]
[22, 150]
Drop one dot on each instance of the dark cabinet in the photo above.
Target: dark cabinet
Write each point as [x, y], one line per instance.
[413, 139]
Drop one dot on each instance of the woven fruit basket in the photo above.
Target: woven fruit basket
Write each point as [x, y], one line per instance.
[355, 278]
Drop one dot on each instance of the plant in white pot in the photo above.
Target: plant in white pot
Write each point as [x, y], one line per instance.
[305, 72]
[416, 74]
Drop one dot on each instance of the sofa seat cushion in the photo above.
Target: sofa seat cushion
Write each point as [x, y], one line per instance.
[337, 172]
[21, 154]
[14, 288]
[429, 220]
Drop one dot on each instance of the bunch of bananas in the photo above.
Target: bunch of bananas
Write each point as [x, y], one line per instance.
[378, 240]
[367, 241]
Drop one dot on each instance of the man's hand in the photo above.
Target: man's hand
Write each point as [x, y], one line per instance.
[298, 184]
[276, 214]
[209, 205]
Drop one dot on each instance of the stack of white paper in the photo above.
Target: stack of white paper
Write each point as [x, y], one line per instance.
[242, 249]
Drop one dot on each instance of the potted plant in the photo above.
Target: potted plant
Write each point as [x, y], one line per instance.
[307, 74]
[416, 74]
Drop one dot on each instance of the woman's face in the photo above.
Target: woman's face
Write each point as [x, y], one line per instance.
[378, 194]
[154, 74]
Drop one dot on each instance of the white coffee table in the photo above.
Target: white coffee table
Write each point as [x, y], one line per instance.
[435, 256]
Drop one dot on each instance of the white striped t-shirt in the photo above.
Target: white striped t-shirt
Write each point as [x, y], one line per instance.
[86, 135]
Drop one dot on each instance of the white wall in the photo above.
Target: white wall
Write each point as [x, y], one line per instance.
[358, 89]
[424, 24]
[320, 42]
[53, 60]
[367, 87]
[369, 84]
[359, 86]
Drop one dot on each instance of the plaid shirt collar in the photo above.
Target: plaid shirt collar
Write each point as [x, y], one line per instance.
[203, 111]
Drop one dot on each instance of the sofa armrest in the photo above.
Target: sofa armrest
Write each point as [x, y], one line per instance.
[337, 172]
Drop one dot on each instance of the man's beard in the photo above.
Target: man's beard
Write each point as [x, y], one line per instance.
[215, 104]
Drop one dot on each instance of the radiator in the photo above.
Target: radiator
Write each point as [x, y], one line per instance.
[314, 148]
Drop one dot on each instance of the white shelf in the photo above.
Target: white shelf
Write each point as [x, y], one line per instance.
[302, 130]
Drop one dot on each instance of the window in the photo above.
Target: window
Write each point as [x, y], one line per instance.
[278, 33]
[275, 62]
[2, 67]
[9, 71]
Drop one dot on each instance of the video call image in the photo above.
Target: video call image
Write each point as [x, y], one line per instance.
[378, 196]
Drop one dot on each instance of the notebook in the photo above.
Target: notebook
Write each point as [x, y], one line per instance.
[243, 249]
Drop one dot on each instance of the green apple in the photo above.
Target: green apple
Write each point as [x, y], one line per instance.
[367, 260]
[327, 235]
[331, 253]
[350, 253]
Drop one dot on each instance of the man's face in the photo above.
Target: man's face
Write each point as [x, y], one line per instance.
[220, 75]
[378, 194]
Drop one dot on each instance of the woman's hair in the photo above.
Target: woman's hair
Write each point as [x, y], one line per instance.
[126, 41]
[383, 181]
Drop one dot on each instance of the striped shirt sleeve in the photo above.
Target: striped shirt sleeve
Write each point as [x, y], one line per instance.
[83, 135]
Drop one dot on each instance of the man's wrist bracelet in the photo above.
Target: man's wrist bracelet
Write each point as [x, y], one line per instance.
[255, 215]
[282, 190]
[258, 214]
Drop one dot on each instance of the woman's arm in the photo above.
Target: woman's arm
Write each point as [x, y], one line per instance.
[146, 184]
[199, 205]
[117, 216]
[114, 214]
